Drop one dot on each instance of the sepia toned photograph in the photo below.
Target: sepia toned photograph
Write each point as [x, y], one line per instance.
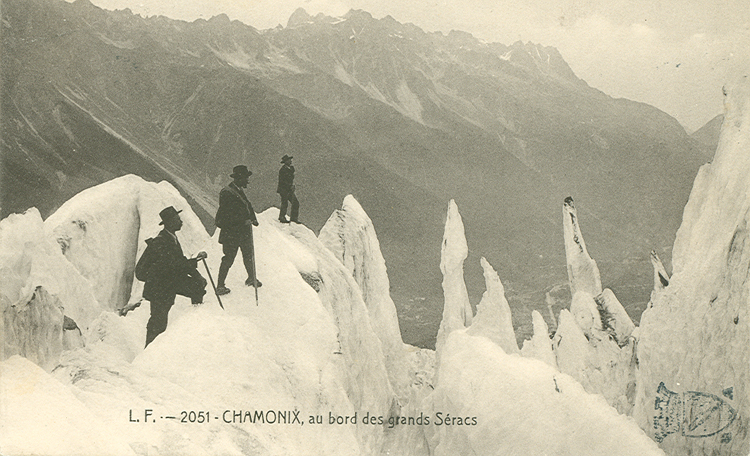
[369, 227]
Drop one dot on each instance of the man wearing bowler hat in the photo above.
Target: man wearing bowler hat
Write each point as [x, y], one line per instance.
[235, 218]
[168, 273]
[286, 190]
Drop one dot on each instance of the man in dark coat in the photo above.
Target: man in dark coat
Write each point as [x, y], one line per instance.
[286, 190]
[169, 273]
[236, 219]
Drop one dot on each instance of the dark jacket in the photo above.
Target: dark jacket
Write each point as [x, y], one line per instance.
[286, 180]
[169, 266]
[234, 210]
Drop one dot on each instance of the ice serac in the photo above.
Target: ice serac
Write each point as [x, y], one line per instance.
[586, 314]
[493, 319]
[99, 236]
[596, 361]
[571, 347]
[583, 274]
[365, 375]
[540, 345]
[29, 259]
[487, 402]
[694, 339]
[615, 319]
[102, 230]
[33, 328]
[350, 236]
[457, 313]
[661, 277]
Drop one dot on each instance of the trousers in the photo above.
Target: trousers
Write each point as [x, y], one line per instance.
[230, 252]
[286, 198]
[191, 286]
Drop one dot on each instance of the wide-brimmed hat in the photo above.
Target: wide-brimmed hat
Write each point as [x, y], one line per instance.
[285, 158]
[240, 171]
[168, 213]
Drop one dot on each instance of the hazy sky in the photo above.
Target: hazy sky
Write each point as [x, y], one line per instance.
[673, 54]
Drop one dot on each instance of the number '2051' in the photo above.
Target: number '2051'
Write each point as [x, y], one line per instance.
[194, 417]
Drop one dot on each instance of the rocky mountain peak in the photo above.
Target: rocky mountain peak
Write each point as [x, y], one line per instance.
[298, 17]
[461, 37]
[546, 59]
[83, 4]
[221, 19]
[357, 14]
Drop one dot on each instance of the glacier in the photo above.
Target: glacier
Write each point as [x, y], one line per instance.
[318, 366]
[323, 345]
[693, 338]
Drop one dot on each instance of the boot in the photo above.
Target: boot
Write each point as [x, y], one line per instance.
[221, 290]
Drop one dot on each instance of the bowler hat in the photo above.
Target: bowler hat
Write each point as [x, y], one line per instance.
[285, 158]
[168, 214]
[240, 171]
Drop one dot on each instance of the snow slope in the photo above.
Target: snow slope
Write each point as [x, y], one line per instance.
[694, 338]
[522, 406]
[308, 349]
[304, 371]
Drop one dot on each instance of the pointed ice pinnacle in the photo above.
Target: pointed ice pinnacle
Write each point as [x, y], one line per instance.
[614, 317]
[583, 273]
[571, 347]
[350, 235]
[494, 319]
[540, 345]
[550, 301]
[661, 278]
[586, 314]
[457, 313]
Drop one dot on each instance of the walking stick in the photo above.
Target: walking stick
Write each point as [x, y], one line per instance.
[255, 266]
[212, 283]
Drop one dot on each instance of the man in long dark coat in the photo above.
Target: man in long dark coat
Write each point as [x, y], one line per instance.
[286, 190]
[236, 219]
[169, 273]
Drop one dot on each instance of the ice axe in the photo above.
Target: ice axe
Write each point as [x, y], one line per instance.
[212, 283]
[255, 266]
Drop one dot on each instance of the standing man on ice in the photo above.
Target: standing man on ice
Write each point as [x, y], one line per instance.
[236, 219]
[286, 190]
[167, 273]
